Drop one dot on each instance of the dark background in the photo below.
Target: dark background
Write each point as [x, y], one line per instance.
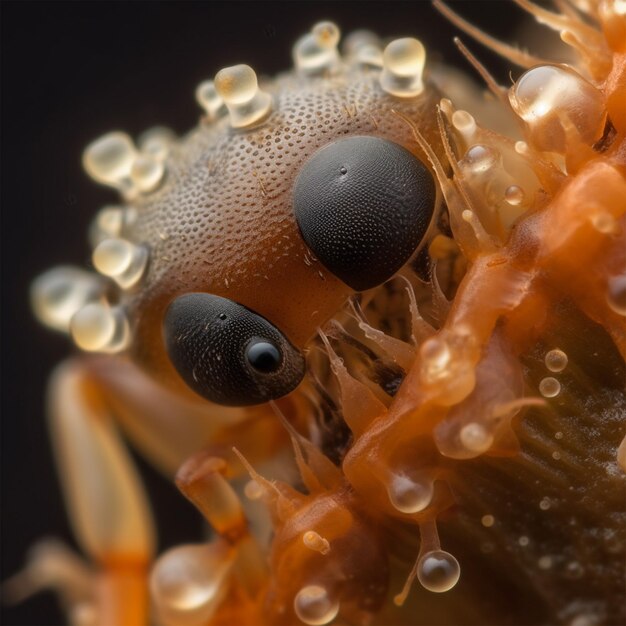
[70, 72]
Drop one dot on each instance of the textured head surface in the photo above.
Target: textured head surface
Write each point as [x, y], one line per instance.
[222, 221]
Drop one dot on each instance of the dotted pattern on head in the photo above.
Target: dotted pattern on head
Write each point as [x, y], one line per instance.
[223, 221]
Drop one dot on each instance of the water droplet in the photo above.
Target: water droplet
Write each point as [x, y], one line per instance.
[464, 123]
[545, 562]
[558, 435]
[403, 65]
[147, 173]
[523, 541]
[475, 437]
[514, 195]
[120, 260]
[253, 490]
[435, 357]
[604, 222]
[208, 98]
[314, 541]
[549, 387]
[616, 296]
[109, 159]
[438, 571]
[480, 158]
[239, 89]
[556, 360]
[313, 606]
[98, 327]
[556, 455]
[408, 494]
[487, 521]
[545, 504]
[58, 293]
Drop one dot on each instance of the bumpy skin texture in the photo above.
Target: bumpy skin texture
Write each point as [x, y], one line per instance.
[229, 190]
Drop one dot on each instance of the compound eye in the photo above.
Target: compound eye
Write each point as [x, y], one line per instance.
[227, 353]
[363, 205]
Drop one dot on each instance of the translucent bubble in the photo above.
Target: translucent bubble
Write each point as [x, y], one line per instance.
[523, 541]
[146, 173]
[239, 88]
[549, 387]
[546, 94]
[58, 293]
[556, 455]
[545, 504]
[208, 98]
[475, 437]
[556, 360]
[409, 495]
[616, 296]
[487, 521]
[109, 159]
[326, 34]
[558, 435]
[435, 356]
[403, 66]
[313, 606]
[364, 47]
[464, 123]
[604, 222]
[253, 490]
[121, 260]
[314, 541]
[480, 158]
[187, 581]
[514, 195]
[156, 142]
[438, 571]
[98, 327]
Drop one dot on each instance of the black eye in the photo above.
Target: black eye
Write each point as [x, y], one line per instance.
[227, 353]
[363, 205]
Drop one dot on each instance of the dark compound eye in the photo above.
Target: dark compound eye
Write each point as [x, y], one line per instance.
[227, 353]
[363, 205]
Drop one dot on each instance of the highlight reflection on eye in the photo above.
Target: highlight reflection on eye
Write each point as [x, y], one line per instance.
[227, 353]
[363, 205]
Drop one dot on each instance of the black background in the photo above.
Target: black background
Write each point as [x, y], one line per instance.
[70, 72]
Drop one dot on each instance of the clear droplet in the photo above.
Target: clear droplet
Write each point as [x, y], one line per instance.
[487, 521]
[187, 582]
[208, 98]
[523, 541]
[409, 495]
[239, 88]
[545, 562]
[253, 490]
[403, 66]
[475, 437]
[558, 435]
[98, 327]
[438, 571]
[314, 541]
[109, 159]
[616, 296]
[120, 260]
[545, 504]
[604, 222]
[514, 195]
[480, 158]
[435, 359]
[147, 173]
[314, 606]
[156, 142]
[549, 387]
[58, 293]
[556, 360]
[464, 122]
